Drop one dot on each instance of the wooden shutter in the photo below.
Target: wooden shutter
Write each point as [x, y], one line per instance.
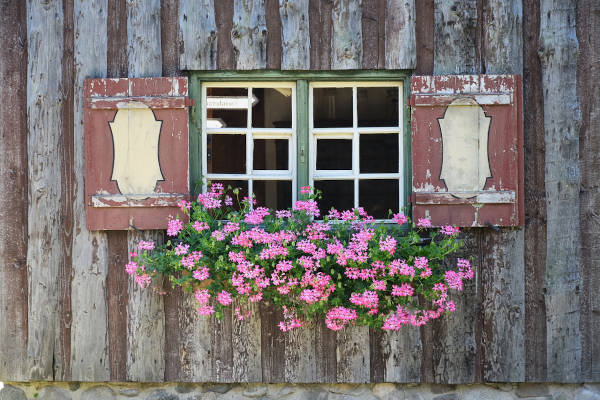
[136, 146]
[467, 150]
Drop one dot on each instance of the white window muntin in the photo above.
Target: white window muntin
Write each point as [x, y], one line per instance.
[252, 133]
[353, 133]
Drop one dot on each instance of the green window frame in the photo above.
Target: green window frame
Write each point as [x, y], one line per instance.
[302, 80]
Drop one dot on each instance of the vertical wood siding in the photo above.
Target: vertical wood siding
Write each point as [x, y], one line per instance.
[89, 341]
[75, 315]
[588, 35]
[562, 120]
[13, 191]
[45, 20]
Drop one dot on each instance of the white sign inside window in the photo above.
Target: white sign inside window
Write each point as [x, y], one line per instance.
[229, 102]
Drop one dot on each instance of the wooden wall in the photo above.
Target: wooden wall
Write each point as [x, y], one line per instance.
[69, 312]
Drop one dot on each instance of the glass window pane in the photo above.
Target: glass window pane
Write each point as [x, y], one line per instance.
[276, 195]
[271, 154]
[337, 194]
[227, 107]
[377, 106]
[334, 154]
[332, 107]
[379, 153]
[226, 154]
[273, 108]
[230, 186]
[378, 196]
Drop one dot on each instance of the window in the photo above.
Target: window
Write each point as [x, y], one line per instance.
[269, 135]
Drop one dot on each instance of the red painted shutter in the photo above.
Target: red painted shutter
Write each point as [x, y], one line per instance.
[467, 150]
[136, 146]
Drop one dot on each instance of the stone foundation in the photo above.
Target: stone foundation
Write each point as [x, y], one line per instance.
[382, 391]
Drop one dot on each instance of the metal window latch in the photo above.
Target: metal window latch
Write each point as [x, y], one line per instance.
[302, 154]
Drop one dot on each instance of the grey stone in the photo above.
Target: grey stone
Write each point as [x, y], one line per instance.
[160, 394]
[218, 388]
[203, 396]
[286, 391]
[184, 388]
[74, 386]
[585, 394]
[440, 389]
[448, 396]
[255, 391]
[129, 392]
[387, 391]
[98, 393]
[531, 390]
[9, 392]
[594, 387]
[53, 393]
[481, 392]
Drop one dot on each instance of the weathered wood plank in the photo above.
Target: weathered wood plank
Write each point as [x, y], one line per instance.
[145, 323]
[503, 261]
[143, 38]
[300, 357]
[13, 191]
[169, 34]
[424, 14]
[502, 293]
[197, 35]
[424, 27]
[249, 34]
[562, 121]
[373, 33]
[400, 35]
[145, 308]
[246, 344]
[502, 41]
[588, 70]
[173, 299]
[224, 20]
[346, 37]
[195, 347]
[44, 252]
[325, 355]
[89, 341]
[272, 342]
[320, 33]
[116, 53]
[535, 197]
[117, 284]
[273, 23]
[402, 354]
[295, 35]
[453, 337]
[353, 354]
[455, 37]
[222, 347]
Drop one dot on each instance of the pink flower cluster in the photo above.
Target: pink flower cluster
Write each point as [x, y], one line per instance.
[346, 267]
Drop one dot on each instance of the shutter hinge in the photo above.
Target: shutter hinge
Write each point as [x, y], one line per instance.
[189, 102]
